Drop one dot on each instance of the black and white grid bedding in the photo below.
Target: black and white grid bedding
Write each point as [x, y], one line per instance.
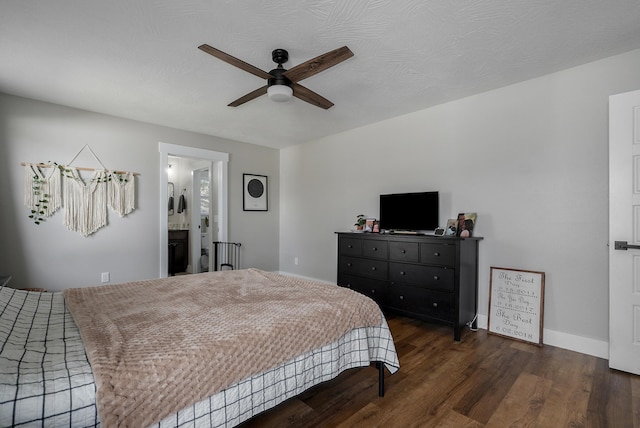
[45, 376]
[46, 379]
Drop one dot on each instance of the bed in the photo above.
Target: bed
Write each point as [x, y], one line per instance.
[107, 356]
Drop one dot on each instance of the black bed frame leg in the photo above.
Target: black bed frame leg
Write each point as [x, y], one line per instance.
[380, 378]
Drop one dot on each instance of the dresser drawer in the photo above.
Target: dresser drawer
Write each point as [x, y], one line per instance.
[350, 246]
[375, 248]
[404, 251]
[363, 267]
[373, 288]
[434, 304]
[433, 277]
[438, 254]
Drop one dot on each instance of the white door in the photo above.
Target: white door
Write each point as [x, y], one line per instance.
[201, 220]
[624, 232]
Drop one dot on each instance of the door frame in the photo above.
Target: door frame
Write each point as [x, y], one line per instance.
[221, 160]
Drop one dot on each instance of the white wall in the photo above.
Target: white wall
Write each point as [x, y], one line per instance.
[531, 159]
[53, 257]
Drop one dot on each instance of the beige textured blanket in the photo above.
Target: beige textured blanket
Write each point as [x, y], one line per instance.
[160, 345]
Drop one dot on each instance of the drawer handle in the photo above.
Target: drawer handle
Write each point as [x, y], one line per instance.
[374, 249]
[437, 254]
[349, 264]
[436, 277]
[373, 291]
[349, 246]
[373, 268]
[403, 251]
[402, 272]
[348, 285]
[435, 304]
[401, 297]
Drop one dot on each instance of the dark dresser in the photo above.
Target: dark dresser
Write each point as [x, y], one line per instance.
[433, 278]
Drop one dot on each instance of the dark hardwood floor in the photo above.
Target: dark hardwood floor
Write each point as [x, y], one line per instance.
[482, 381]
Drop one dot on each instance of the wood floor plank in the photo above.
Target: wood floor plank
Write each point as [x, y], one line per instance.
[524, 402]
[368, 416]
[610, 397]
[571, 373]
[635, 399]
[420, 400]
[490, 382]
[291, 413]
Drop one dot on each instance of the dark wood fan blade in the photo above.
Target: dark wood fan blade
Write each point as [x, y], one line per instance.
[234, 61]
[250, 96]
[306, 94]
[318, 64]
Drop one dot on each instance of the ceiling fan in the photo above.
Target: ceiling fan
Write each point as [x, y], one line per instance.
[281, 83]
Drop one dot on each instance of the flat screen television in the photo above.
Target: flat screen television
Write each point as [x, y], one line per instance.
[409, 211]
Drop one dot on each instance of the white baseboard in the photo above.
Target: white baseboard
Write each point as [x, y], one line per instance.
[584, 345]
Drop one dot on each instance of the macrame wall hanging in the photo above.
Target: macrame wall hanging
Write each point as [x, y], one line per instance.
[41, 190]
[85, 203]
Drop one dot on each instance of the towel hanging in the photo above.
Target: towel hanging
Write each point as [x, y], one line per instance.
[182, 202]
[171, 193]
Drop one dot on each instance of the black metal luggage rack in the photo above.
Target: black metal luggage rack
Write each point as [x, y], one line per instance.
[226, 255]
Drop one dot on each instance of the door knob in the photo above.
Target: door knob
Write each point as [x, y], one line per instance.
[623, 245]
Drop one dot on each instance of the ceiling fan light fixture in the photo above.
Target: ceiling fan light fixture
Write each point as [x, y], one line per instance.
[280, 82]
[279, 93]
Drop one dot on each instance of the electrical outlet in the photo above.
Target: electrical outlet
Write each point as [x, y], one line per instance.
[105, 277]
[295, 261]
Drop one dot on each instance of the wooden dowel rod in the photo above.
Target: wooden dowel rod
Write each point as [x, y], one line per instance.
[48, 165]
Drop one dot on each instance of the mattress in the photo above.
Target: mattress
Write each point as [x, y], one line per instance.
[46, 378]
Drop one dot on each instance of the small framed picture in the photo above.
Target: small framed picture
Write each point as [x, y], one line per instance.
[368, 226]
[376, 226]
[452, 227]
[465, 224]
[254, 193]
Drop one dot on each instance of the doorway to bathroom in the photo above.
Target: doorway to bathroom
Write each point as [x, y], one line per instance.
[194, 182]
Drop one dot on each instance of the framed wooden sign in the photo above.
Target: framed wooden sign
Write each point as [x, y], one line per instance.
[516, 304]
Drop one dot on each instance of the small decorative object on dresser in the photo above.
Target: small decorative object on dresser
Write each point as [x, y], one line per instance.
[466, 223]
[434, 278]
[368, 226]
[452, 227]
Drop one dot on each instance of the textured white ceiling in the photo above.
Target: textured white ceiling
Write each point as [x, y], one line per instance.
[139, 59]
